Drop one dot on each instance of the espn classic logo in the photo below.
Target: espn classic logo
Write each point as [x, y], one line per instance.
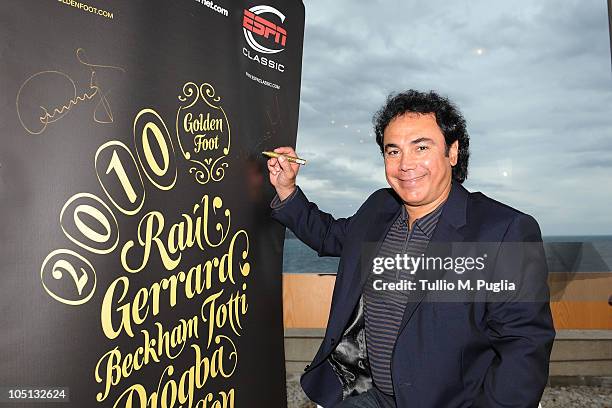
[260, 33]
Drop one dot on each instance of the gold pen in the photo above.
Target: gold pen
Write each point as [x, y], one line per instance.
[289, 158]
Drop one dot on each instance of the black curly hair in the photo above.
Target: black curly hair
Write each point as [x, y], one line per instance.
[448, 117]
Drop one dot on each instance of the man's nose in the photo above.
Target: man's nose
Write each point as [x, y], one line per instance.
[407, 162]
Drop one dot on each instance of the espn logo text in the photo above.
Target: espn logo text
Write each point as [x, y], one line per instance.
[254, 23]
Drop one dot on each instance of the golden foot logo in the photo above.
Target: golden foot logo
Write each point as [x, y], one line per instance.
[203, 132]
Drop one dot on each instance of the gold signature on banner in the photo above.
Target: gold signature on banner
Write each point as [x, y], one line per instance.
[203, 132]
[36, 123]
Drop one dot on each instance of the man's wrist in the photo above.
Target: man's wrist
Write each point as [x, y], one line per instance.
[283, 193]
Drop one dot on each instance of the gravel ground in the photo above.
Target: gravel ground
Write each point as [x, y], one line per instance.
[295, 396]
[577, 397]
[554, 397]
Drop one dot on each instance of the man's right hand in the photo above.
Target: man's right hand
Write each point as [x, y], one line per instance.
[283, 172]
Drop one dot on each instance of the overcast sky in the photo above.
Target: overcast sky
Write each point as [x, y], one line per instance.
[533, 80]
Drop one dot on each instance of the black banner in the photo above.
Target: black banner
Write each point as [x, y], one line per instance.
[139, 263]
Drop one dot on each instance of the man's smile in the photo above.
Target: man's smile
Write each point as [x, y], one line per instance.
[411, 180]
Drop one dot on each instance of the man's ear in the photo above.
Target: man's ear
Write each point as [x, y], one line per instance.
[453, 153]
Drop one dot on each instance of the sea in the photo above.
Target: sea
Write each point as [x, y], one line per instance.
[570, 253]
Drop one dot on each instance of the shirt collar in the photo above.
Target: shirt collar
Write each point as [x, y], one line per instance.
[427, 223]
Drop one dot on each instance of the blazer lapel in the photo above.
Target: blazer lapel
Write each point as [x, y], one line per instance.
[448, 230]
[374, 235]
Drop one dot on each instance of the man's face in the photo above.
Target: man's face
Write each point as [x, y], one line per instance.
[416, 164]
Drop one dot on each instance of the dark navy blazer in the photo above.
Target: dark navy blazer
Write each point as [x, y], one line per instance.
[447, 354]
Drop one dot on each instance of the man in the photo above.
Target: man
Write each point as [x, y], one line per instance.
[421, 347]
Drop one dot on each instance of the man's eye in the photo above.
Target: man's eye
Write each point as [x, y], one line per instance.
[392, 152]
[422, 148]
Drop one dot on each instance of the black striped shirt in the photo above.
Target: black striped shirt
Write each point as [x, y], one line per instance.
[384, 309]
